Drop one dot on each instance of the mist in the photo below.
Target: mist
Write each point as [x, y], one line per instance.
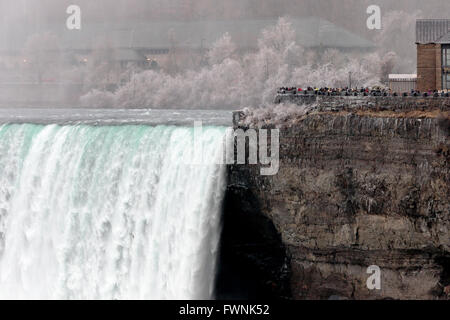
[42, 63]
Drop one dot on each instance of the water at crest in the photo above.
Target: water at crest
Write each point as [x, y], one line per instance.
[108, 212]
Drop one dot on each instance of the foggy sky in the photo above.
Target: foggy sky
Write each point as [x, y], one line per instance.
[33, 13]
[27, 17]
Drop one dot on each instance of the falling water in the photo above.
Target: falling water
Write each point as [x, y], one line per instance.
[108, 212]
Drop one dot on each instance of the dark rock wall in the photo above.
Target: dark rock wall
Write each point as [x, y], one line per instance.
[253, 259]
[352, 191]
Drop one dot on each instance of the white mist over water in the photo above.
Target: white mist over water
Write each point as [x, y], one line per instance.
[107, 212]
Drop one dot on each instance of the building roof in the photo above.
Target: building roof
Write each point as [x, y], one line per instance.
[445, 39]
[311, 32]
[433, 31]
[126, 54]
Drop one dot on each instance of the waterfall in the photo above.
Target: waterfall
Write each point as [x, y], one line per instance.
[108, 212]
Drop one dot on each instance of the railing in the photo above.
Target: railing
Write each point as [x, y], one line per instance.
[309, 97]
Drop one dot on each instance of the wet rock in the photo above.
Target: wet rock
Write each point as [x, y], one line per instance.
[354, 191]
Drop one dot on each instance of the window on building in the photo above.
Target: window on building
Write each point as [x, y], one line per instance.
[446, 56]
[446, 81]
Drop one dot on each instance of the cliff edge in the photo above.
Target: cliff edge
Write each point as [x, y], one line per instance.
[361, 183]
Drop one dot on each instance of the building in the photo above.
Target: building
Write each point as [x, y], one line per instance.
[152, 40]
[401, 83]
[433, 54]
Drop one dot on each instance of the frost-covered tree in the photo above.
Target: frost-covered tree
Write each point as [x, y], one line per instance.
[222, 49]
[398, 35]
[388, 63]
[99, 69]
[278, 37]
[233, 81]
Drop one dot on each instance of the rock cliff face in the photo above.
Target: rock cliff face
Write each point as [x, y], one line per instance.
[355, 188]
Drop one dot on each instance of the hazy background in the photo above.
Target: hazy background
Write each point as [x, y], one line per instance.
[32, 14]
[343, 11]
[36, 67]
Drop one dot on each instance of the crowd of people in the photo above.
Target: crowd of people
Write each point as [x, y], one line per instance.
[365, 91]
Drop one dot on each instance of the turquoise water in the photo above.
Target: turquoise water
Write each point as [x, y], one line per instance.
[108, 212]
